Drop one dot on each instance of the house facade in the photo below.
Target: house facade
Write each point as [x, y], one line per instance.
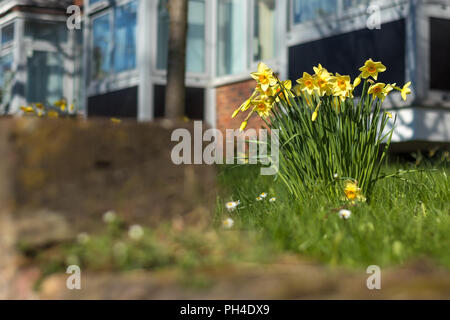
[115, 65]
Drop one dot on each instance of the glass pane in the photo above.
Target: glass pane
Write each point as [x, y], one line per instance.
[125, 37]
[264, 38]
[101, 55]
[306, 10]
[231, 37]
[8, 33]
[6, 80]
[196, 36]
[45, 31]
[45, 77]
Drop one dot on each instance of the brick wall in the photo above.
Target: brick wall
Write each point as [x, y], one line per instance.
[229, 98]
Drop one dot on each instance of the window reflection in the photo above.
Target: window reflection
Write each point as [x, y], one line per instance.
[306, 10]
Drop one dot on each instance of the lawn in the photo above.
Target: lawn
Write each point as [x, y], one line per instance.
[408, 218]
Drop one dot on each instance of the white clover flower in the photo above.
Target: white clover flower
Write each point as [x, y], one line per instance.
[83, 238]
[232, 205]
[136, 232]
[228, 223]
[263, 195]
[345, 214]
[110, 216]
[272, 200]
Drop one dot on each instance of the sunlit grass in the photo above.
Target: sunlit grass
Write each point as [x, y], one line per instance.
[407, 218]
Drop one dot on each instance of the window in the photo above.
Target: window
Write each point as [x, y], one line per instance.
[264, 30]
[307, 10]
[54, 33]
[102, 47]
[6, 80]
[240, 44]
[195, 60]
[8, 33]
[439, 53]
[45, 77]
[125, 37]
[231, 37]
[114, 41]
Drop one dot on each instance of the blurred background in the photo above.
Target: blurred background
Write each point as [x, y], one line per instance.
[114, 65]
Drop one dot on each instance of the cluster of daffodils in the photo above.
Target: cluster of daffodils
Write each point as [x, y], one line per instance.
[270, 90]
[59, 109]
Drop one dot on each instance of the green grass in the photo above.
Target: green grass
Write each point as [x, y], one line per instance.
[407, 219]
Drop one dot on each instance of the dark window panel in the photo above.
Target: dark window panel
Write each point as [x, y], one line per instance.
[439, 54]
[346, 53]
[120, 104]
[195, 102]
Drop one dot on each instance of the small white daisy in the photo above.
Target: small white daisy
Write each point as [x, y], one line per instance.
[136, 232]
[232, 205]
[336, 176]
[345, 214]
[271, 200]
[259, 199]
[228, 223]
[110, 216]
[263, 195]
[83, 238]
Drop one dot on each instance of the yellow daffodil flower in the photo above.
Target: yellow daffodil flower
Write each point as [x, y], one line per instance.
[380, 90]
[264, 76]
[62, 104]
[286, 92]
[262, 107]
[405, 90]
[351, 190]
[371, 69]
[342, 87]
[27, 109]
[322, 81]
[307, 83]
[389, 114]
